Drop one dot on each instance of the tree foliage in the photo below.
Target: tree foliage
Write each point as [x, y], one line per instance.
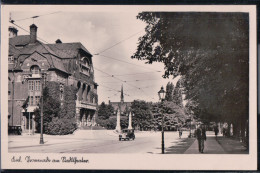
[58, 119]
[177, 94]
[105, 111]
[169, 91]
[142, 114]
[210, 51]
[51, 109]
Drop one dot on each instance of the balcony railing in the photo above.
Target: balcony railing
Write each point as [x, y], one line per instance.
[86, 104]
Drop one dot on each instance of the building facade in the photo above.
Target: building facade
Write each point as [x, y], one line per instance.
[32, 63]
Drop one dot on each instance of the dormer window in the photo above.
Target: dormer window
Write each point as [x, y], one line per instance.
[85, 65]
[35, 69]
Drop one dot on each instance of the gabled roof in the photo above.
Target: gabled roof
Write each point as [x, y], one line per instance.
[29, 49]
[68, 50]
[20, 40]
[53, 52]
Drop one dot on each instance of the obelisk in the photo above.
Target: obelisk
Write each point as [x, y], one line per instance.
[118, 127]
[130, 121]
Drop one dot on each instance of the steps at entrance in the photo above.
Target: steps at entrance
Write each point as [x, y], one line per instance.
[91, 128]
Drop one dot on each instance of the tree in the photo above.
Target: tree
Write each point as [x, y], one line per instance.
[110, 110]
[102, 111]
[105, 111]
[51, 108]
[142, 114]
[169, 91]
[177, 94]
[57, 119]
[203, 48]
[173, 115]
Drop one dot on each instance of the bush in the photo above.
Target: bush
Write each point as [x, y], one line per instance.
[111, 122]
[61, 126]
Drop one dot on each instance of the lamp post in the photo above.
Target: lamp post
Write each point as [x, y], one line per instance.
[190, 127]
[41, 137]
[161, 94]
[33, 124]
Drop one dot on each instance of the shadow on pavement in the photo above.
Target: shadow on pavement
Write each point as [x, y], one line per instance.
[181, 146]
[232, 146]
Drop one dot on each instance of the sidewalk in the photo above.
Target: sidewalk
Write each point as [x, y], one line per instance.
[232, 146]
[211, 146]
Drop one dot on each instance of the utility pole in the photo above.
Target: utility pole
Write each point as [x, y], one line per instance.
[13, 98]
[41, 138]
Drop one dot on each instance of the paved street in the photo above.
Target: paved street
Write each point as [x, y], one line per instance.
[106, 141]
[95, 141]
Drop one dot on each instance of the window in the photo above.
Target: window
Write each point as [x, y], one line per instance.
[11, 59]
[37, 100]
[35, 69]
[34, 85]
[37, 85]
[31, 100]
[31, 85]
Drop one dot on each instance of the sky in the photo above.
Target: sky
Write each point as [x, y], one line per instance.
[98, 31]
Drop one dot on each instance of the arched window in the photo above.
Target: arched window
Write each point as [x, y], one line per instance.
[86, 61]
[35, 69]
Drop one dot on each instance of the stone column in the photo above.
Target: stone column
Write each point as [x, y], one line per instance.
[88, 118]
[118, 127]
[94, 119]
[130, 121]
[84, 117]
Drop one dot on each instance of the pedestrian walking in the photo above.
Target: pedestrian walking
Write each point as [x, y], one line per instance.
[216, 131]
[180, 132]
[201, 137]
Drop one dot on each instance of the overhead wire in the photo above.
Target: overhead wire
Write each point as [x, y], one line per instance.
[128, 62]
[140, 80]
[131, 74]
[12, 21]
[119, 42]
[33, 17]
[122, 80]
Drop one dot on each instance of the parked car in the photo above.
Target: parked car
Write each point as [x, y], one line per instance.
[127, 134]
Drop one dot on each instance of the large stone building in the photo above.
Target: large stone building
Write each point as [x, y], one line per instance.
[32, 62]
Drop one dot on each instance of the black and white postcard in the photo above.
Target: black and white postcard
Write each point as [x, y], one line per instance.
[129, 87]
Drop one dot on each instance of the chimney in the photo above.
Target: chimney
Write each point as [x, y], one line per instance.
[12, 32]
[33, 34]
[58, 41]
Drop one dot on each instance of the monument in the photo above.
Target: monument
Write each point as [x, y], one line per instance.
[130, 121]
[118, 127]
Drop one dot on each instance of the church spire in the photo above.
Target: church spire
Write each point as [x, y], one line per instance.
[122, 94]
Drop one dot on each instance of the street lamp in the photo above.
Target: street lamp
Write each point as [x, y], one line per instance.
[41, 137]
[161, 94]
[190, 126]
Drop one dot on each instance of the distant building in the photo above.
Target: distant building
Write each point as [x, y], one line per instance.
[67, 64]
[125, 106]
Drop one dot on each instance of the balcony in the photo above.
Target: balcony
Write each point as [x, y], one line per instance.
[86, 105]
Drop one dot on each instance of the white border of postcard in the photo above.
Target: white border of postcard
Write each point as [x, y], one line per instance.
[135, 161]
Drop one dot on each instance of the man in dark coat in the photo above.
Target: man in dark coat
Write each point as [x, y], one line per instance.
[201, 136]
[216, 130]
